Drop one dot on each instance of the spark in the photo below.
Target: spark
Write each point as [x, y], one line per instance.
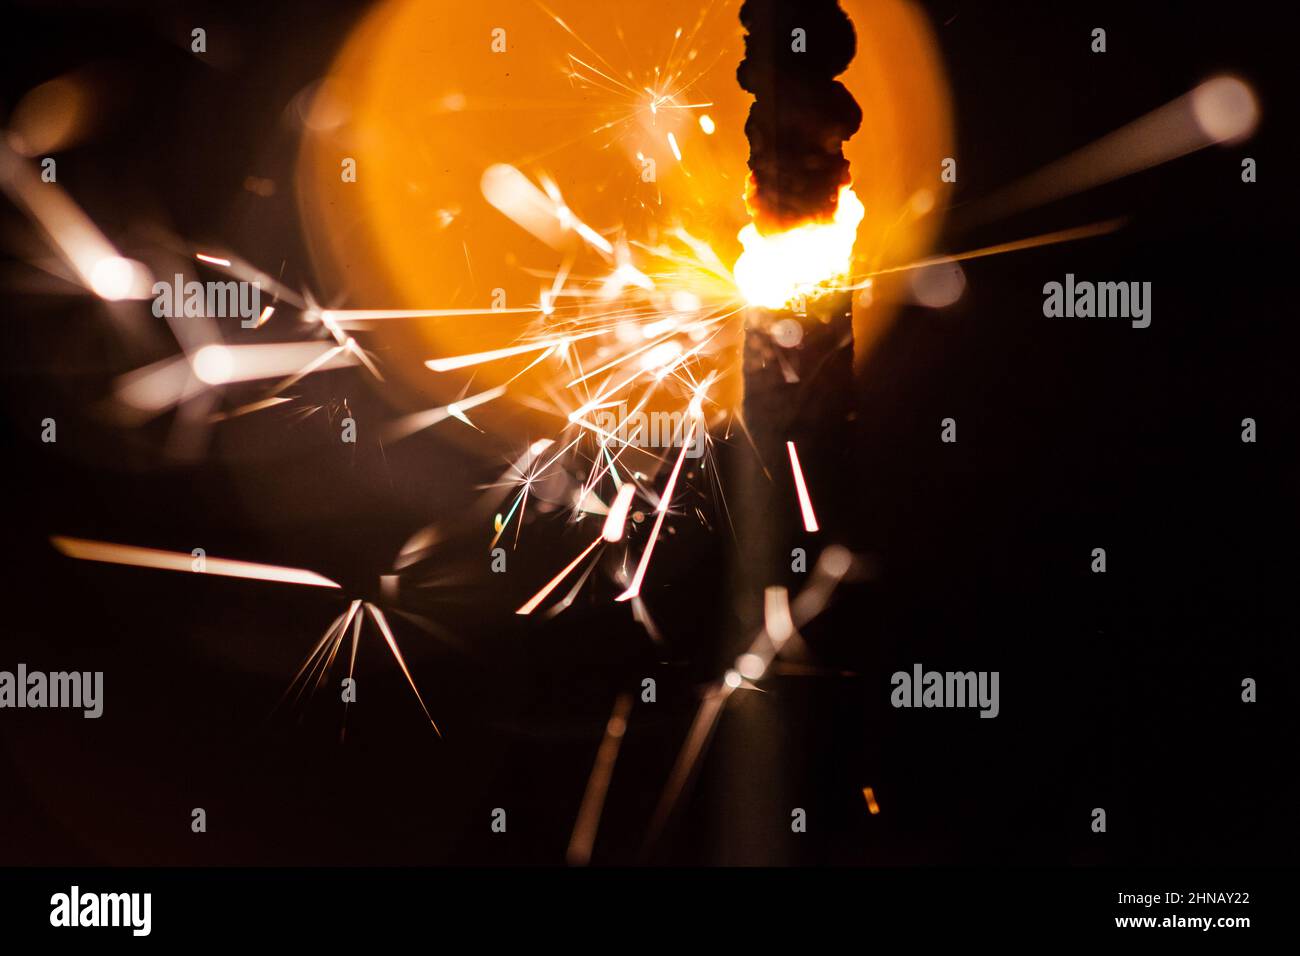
[75, 237]
[109, 553]
[410, 424]
[593, 799]
[248, 408]
[541, 212]
[320, 661]
[661, 357]
[352, 669]
[382, 621]
[750, 666]
[348, 318]
[213, 364]
[531, 604]
[248, 273]
[309, 665]
[326, 359]
[617, 517]
[805, 503]
[697, 740]
[773, 270]
[223, 364]
[114, 278]
[524, 474]
[869, 795]
[1017, 245]
[634, 589]
[1222, 109]
[495, 355]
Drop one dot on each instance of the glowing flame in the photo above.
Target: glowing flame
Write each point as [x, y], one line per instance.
[807, 260]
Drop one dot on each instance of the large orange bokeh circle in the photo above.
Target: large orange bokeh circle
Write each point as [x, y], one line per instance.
[422, 103]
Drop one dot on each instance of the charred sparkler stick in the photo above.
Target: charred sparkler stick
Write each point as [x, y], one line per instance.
[798, 411]
[801, 114]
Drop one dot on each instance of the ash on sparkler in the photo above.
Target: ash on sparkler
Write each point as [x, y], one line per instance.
[801, 114]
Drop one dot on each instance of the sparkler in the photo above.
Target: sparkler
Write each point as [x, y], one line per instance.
[648, 318]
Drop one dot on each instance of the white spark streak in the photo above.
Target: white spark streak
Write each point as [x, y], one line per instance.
[382, 621]
[634, 588]
[616, 520]
[84, 550]
[805, 503]
[541, 595]
[419, 421]
[481, 358]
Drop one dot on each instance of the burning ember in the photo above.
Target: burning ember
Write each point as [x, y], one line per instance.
[806, 261]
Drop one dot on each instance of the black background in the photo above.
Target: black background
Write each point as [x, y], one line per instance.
[1119, 691]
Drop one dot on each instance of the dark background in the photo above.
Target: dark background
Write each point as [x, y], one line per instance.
[1119, 691]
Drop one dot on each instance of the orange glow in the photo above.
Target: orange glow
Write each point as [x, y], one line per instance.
[574, 182]
[870, 796]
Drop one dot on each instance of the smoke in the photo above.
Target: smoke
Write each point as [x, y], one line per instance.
[801, 114]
